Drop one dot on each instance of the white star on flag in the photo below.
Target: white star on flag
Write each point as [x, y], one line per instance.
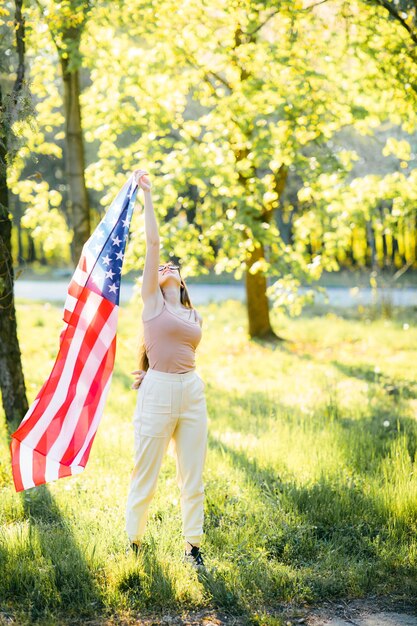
[119, 256]
[113, 287]
[116, 241]
[106, 259]
[109, 274]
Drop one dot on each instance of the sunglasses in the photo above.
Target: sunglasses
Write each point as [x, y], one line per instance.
[171, 267]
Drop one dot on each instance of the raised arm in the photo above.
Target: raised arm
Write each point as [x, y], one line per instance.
[150, 290]
[150, 284]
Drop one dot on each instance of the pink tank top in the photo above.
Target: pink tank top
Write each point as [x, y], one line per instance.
[171, 341]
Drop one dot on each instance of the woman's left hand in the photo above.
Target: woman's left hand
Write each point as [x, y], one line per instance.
[139, 376]
[142, 179]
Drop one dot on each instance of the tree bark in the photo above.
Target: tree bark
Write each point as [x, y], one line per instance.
[257, 302]
[12, 382]
[75, 161]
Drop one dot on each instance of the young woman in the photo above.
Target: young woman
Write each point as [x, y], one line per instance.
[171, 402]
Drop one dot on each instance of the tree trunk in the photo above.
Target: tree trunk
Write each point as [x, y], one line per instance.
[75, 162]
[395, 251]
[415, 240]
[285, 228]
[349, 252]
[18, 226]
[256, 284]
[257, 301]
[12, 382]
[31, 249]
[371, 243]
[385, 261]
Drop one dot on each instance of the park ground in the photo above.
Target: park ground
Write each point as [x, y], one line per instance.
[311, 483]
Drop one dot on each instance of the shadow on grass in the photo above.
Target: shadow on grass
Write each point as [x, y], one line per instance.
[407, 389]
[339, 539]
[332, 533]
[148, 586]
[365, 439]
[75, 587]
[49, 575]
[223, 595]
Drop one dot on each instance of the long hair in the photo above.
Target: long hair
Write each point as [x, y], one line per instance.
[143, 361]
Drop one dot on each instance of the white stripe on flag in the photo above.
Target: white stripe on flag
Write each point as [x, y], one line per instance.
[51, 469]
[70, 303]
[26, 465]
[80, 277]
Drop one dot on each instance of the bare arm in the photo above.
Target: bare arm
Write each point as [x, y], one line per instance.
[150, 291]
[151, 225]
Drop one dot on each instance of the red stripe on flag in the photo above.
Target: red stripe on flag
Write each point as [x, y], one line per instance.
[75, 289]
[64, 471]
[86, 454]
[38, 468]
[15, 452]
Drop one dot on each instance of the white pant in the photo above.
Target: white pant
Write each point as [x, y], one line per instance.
[169, 406]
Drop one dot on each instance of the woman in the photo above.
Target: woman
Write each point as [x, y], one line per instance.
[171, 404]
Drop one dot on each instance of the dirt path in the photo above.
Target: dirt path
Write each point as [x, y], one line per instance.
[354, 613]
[363, 613]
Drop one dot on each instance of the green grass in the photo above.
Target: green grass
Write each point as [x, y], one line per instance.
[310, 480]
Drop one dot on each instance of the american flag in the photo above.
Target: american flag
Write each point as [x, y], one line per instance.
[55, 436]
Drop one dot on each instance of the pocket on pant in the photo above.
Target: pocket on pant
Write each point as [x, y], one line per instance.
[157, 397]
[155, 416]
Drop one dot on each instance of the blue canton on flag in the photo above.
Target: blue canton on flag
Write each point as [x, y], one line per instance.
[108, 243]
[100, 265]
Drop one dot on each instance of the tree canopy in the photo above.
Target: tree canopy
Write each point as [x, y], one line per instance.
[237, 110]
